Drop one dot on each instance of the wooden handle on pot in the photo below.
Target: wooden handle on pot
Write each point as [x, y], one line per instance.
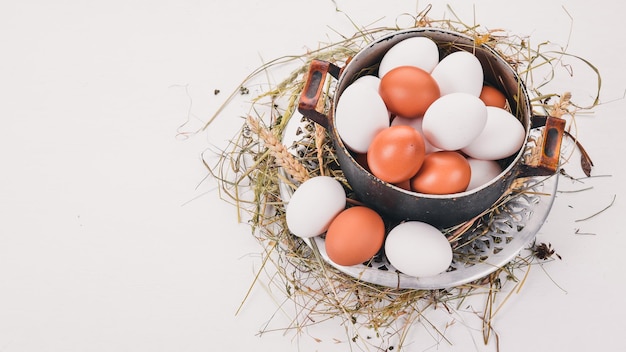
[311, 96]
[544, 160]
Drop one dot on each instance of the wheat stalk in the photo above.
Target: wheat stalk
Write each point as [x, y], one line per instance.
[280, 153]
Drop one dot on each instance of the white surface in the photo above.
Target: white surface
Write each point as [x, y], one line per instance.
[107, 243]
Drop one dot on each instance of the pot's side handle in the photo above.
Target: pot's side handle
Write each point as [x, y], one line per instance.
[545, 158]
[311, 103]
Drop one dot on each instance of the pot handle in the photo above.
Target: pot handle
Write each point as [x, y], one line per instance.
[544, 159]
[311, 102]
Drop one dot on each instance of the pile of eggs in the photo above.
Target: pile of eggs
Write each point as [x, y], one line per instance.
[427, 125]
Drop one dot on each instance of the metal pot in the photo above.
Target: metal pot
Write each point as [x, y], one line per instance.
[439, 210]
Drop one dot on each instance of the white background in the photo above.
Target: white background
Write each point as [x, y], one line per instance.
[110, 240]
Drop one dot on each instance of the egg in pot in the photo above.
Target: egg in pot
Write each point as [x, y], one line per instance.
[491, 96]
[443, 172]
[454, 121]
[417, 124]
[502, 136]
[408, 91]
[396, 153]
[420, 52]
[459, 72]
[360, 114]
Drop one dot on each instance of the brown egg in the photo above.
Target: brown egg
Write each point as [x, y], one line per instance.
[354, 236]
[408, 91]
[396, 153]
[443, 172]
[492, 97]
[406, 185]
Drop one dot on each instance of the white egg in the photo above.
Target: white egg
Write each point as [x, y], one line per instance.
[370, 80]
[314, 205]
[420, 52]
[459, 72]
[502, 136]
[418, 249]
[416, 123]
[483, 171]
[453, 121]
[360, 114]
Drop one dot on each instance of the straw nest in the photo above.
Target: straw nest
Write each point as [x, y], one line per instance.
[249, 173]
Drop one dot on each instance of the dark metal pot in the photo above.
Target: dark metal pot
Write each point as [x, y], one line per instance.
[439, 210]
